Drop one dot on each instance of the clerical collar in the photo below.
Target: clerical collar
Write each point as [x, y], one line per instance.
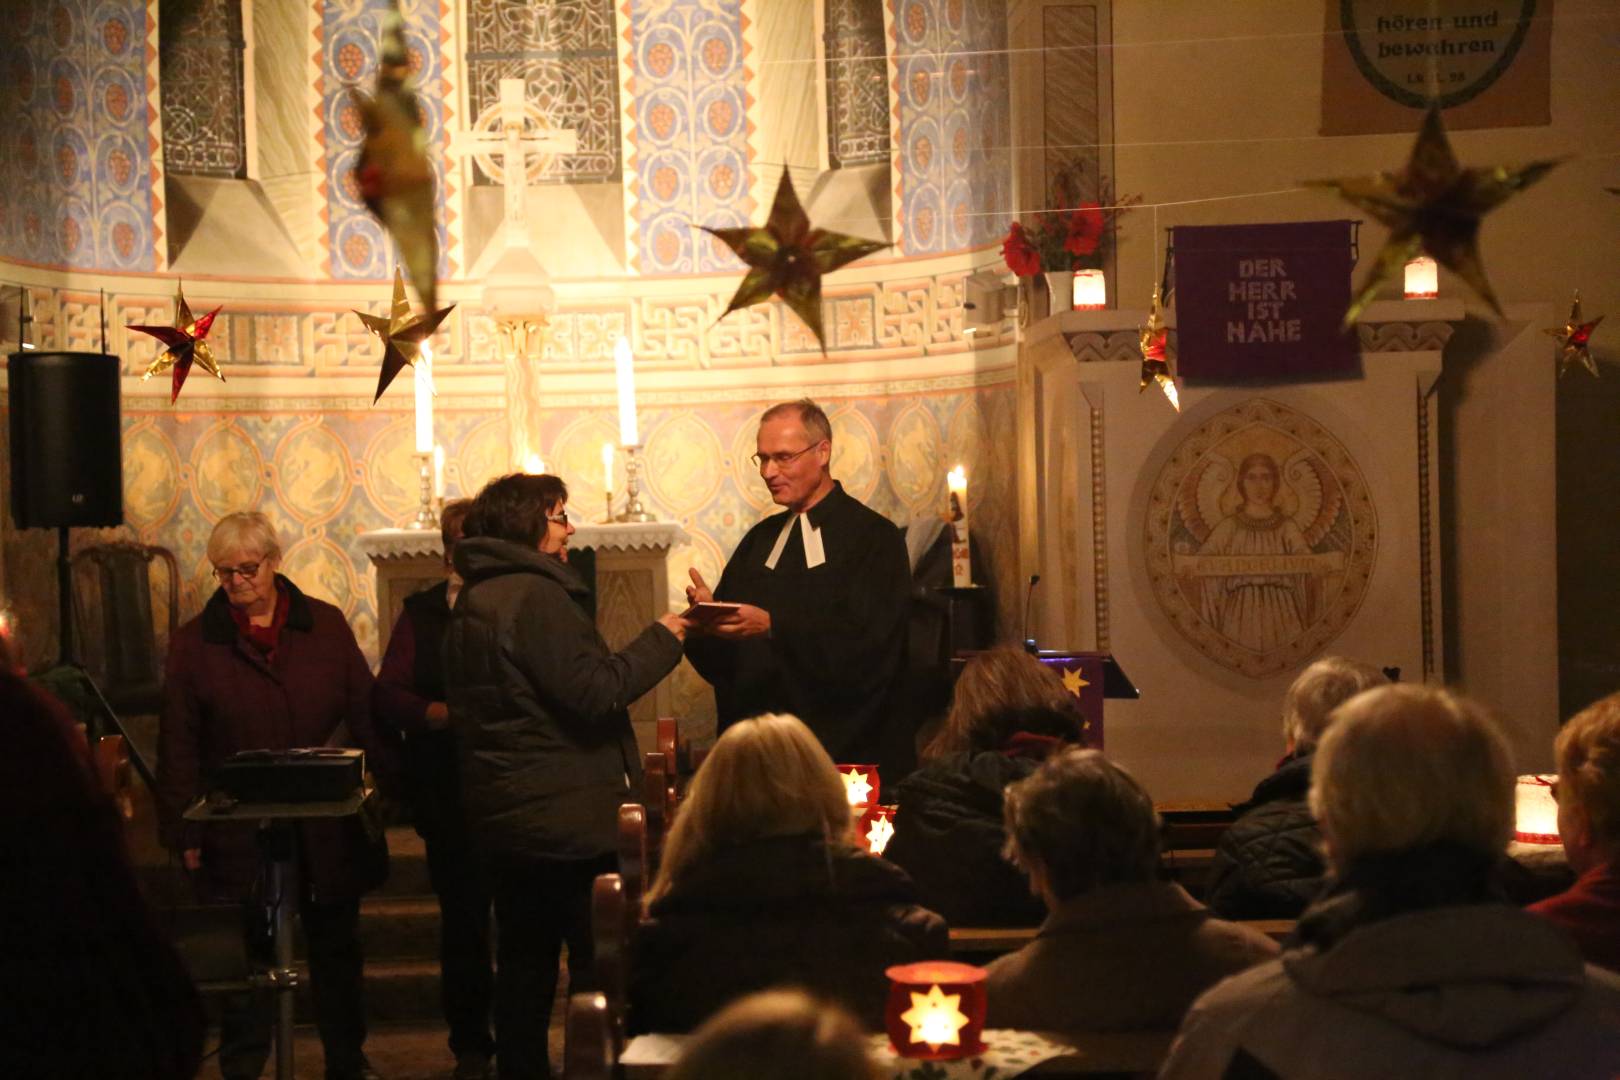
[814, 553]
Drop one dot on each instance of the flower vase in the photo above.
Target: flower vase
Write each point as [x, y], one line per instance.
[1059, 291]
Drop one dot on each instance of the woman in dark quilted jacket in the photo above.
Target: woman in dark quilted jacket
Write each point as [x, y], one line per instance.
[1008, 713]
[760, 886]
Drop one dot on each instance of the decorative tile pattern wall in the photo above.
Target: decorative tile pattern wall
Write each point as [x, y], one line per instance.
[346, 56]
[200, 77]
[857, 83]
[81, 182]
[953, 183]
[690, 146]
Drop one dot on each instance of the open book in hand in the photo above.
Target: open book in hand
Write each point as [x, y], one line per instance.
[710, 611]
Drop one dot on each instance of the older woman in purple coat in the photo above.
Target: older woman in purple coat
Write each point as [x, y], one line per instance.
[264, 667]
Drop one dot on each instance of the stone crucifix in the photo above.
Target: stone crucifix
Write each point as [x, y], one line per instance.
[513, 146]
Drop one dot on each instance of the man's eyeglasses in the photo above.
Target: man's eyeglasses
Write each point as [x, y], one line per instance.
[781, 460]
[561, 519]
[247, 571]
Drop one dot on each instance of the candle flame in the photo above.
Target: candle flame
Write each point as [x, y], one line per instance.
[956, 479]
[935, 1018]
[533, 465]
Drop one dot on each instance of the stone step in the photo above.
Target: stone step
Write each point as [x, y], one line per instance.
[400, 927]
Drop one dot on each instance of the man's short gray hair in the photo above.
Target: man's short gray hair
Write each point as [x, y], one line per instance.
[1319, 689]
[247, 530]
[808, 413]
[1084, 821]
[1402, 767]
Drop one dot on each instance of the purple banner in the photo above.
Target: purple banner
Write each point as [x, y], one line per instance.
[1082, 675]
[1263, 301]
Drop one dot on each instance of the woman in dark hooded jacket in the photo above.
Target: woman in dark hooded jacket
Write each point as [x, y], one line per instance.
[1008, 713]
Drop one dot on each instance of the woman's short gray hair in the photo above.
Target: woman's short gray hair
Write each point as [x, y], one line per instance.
[1402, 767]
[1319, 689]
[247, 530]
[1084, 821]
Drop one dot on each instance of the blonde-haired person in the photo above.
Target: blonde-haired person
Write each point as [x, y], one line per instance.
[783, 1034]
[1410, 965]
[1008, 713]
[760, 886]
[1268, 865]
[265, 667]
[1588, 792]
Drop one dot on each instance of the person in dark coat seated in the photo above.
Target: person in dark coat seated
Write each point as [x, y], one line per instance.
[410, 707]
[1009, 712]
[1268, 864]
[760, 886]
[540, 706]
[264, 667]
[1588, 794]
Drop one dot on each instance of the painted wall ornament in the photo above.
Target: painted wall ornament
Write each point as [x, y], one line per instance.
[1261, 538]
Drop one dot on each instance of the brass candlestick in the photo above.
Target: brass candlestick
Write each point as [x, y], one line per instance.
[633, 510]
[425, 516]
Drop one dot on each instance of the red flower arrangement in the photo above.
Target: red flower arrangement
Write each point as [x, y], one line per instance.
[1074, 237]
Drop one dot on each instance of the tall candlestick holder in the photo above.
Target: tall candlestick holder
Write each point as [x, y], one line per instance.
[426, 518]
[633, 510]
[607, 499]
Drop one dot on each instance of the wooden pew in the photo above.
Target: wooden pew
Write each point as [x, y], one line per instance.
[991, 941]
[634, 866]
[610, 935]
[588, 1050]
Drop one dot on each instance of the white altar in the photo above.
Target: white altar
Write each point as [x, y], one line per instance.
[632, 585]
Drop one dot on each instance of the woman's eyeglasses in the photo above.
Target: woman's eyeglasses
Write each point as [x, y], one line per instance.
[247, 571]
[561, 519]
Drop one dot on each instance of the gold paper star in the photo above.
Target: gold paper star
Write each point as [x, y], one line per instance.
[1154, 340]
[788, 258]
[187, 342]
[1434, 207]
[1074, 682]
[857, 788]
[392, 170]
[935, 1018]
[1575, 340]
[402, 334]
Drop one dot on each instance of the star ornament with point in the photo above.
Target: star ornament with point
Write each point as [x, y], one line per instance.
[1433, 206]
[935, 1018]
[402, 334]
[1154, 341]
[857, 787]
[187, 342]
[1074, 682]
[879, 835]
[1575, 341]
[787, 258]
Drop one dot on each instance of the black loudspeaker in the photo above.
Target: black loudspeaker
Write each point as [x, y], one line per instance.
[67, 465]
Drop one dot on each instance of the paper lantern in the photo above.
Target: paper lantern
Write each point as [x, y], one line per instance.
[860, 783]
[1090, 290]
[875, 828]
[1535, 812]
[1422, 279]
[935, 1010]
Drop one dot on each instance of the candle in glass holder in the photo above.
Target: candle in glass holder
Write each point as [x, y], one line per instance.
[422, 373]
[961, 555]
[624, 374]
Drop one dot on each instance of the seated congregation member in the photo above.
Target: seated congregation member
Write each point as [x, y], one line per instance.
[1268, 865]
[760, 886]
[783, 1034]
[1120, 950]
[1588, 791]
[1409, 965]
[410, 706]
[264, 667]
[1008, 713]
[89, 984]
[540, 706]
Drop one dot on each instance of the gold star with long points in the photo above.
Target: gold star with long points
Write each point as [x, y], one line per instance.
[1074, 682]
[1154, 341]
[1575, 340]
[935, 1018]
[1434, 207]
[788, 258]
[392, 169]
[402, 334]
[187, 342]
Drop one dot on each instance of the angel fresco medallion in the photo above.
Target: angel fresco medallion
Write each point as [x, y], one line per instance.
[1261, 537]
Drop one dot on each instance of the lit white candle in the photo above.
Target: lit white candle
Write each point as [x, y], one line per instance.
[961, 557]
[624, 374]
[607, 467]
[533, 465]
[422, 371]
[438, 471]
[1422, 279]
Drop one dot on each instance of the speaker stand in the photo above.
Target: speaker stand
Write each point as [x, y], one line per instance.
[64, 598]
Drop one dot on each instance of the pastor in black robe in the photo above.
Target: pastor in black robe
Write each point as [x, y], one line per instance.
[837, 641]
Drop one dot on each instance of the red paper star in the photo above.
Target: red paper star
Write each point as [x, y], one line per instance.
[1154, 341]
[402, 334]
[788, 258]
[1434, 207]
[187, 344]
[1575, 340]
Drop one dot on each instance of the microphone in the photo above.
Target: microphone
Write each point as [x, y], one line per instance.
[1029, 595]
